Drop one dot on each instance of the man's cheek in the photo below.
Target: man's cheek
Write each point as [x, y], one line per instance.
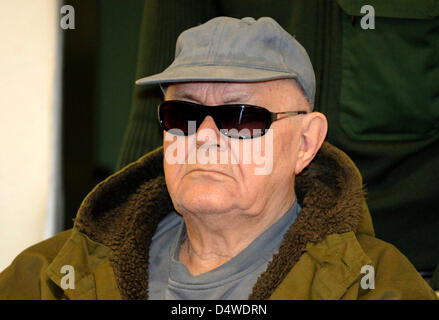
[263, 154]
[173, 176]
[174, 148]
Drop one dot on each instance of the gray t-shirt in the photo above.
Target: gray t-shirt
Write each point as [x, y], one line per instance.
[170, 279]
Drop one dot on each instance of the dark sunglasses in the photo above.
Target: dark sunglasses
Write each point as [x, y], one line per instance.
[247, 121]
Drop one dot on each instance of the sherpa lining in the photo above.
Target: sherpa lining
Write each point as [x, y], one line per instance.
[123, 211]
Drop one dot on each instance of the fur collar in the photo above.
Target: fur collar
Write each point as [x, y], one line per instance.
[123, 211]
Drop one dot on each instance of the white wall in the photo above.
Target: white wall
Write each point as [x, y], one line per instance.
[30, 53]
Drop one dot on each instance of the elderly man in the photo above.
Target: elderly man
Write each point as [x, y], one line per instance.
[244, 201]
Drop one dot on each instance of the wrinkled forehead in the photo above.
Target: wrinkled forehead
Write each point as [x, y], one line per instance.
[234, 92]
[198, 90]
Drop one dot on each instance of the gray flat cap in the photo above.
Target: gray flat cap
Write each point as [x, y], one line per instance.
[238, 50]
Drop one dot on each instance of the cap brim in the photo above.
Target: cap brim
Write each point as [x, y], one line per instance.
[215, 74]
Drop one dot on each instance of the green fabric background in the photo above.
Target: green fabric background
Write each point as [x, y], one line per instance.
[100, 60]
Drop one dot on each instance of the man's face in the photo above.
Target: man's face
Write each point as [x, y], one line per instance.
[232, 187]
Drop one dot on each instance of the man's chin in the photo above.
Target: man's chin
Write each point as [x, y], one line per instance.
[205, 203]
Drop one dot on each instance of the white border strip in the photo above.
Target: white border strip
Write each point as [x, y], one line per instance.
[54, 220]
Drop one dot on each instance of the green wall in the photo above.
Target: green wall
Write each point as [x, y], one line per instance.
[118, 34]
[100, 59]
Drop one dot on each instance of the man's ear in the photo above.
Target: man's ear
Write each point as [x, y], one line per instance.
[314, 129]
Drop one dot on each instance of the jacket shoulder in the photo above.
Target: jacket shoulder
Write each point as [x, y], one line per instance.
[395, 277]
[25, 277]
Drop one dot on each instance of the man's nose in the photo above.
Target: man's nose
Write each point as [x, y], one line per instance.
[207, 124]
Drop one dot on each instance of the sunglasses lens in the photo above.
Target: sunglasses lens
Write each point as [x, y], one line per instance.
[176, 115]
[235, 121]
[243, 121]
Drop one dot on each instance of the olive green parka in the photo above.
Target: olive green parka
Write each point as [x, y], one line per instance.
[321, 256]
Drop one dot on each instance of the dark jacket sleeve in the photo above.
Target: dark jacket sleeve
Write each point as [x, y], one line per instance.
[25, 278]
[395, 276]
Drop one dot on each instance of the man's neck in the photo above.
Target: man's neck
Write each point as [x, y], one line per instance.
[212, 240]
